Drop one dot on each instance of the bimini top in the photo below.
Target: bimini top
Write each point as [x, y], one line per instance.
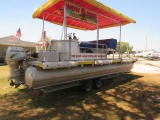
[81, 14]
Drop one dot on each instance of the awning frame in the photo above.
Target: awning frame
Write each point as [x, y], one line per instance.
[119, 20]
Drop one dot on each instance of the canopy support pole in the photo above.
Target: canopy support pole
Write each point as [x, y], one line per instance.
[62, 31]
[42, 38]
[65, 26]
[97, 34]
[120, 42]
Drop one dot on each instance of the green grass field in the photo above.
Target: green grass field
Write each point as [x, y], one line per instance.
[127, 97]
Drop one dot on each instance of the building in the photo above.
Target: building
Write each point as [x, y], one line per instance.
[5, 42]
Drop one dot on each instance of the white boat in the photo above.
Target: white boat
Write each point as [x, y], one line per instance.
[69, 62]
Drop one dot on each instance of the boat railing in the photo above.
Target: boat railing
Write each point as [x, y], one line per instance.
[102, 48]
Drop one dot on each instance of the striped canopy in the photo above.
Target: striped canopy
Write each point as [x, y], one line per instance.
[81, 14]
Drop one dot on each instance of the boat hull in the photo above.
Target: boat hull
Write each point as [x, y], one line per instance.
[37, 78]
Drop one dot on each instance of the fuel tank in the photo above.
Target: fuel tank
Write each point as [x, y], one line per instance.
[35, 78]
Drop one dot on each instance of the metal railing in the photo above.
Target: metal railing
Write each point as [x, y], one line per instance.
[90, 49]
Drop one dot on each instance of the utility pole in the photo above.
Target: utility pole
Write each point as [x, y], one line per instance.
[146, 44]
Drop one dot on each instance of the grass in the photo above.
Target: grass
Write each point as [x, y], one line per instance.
[5, 87]
[130, 97]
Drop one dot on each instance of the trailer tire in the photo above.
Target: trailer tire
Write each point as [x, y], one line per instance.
[86, 86]
[97, 84]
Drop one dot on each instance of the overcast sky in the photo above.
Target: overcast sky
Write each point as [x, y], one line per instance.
[16, 14]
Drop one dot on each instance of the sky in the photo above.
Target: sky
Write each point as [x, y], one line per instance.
[16, 14]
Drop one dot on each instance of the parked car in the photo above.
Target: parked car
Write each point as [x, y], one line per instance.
[153, 56]
[159, 56]
[145, 54]
[139, 54]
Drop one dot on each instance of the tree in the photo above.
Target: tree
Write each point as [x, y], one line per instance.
[124, 47]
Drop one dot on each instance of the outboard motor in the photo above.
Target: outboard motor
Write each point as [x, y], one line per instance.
[14, 58]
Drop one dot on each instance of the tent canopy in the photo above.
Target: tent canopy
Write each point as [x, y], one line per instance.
[81, 14]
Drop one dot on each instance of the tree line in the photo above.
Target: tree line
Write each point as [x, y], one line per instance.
[123, 47]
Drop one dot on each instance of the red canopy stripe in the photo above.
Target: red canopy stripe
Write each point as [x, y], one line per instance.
[53, 11]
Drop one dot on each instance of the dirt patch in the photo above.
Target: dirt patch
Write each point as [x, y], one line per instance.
[146, 67]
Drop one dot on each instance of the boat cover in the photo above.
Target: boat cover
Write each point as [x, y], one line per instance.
[103, 43]
[81, 14]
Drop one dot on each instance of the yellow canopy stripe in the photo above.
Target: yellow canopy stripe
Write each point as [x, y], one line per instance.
[108, 9]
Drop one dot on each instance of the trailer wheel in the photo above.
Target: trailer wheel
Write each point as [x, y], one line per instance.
[87, 86]
[97, 84]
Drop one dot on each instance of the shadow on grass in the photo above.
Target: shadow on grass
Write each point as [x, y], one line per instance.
[107, 103]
